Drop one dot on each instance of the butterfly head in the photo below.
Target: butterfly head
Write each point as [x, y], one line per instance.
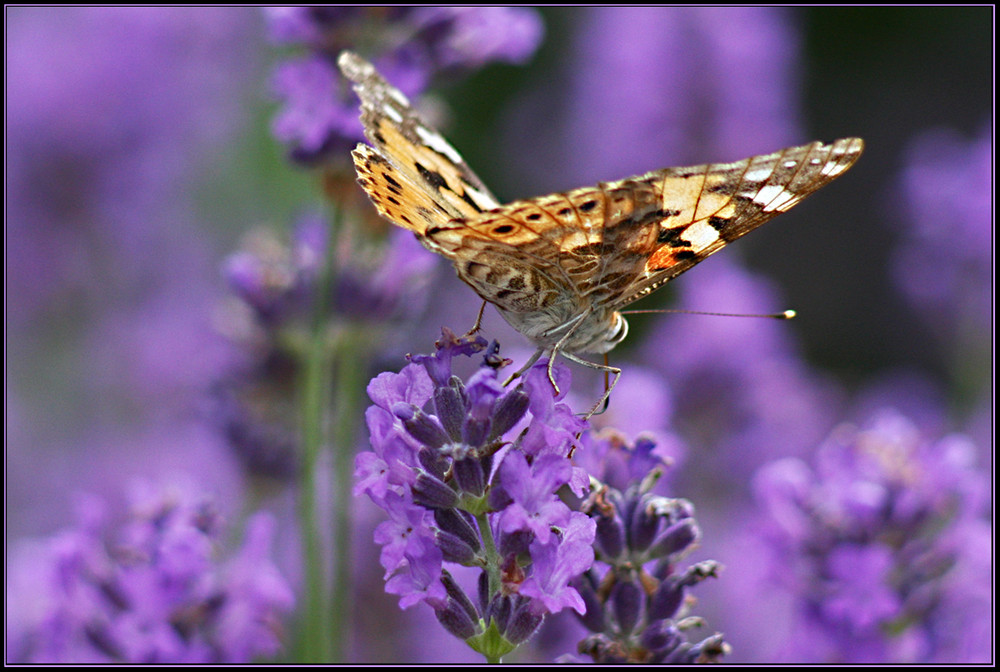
[588, 332]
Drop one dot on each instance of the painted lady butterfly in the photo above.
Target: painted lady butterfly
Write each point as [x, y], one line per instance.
[560, 267]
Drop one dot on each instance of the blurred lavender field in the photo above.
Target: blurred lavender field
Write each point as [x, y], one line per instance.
[197, 295]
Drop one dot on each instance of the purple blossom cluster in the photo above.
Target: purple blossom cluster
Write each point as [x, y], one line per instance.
[147, 588]
[636, 608]
[947, 191]
[407, 44]
[280, 282]
[473, 481]
[280, 288]
[882, 545]
[481, 479]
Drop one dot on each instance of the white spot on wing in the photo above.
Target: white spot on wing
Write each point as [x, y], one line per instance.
[700, 235]
[438, 144]
[392, 113]
[482, 200]
[832, 168]
[398, 95]
[774, 197]
[758, 174]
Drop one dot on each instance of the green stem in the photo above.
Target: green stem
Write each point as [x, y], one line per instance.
[316, 646]
[492, 557]
[492, 569]
[351, 358]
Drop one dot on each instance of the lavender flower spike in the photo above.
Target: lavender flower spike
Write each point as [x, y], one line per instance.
[882, 544]
[461, 470]
[319, 119]
[636, 608]
[148, 590]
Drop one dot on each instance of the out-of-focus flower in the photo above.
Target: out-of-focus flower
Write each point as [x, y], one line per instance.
[641, 408]
[947, 186]
[407, 44]
[280, 282]
[882, 547]
[278, 288]
[709, 83]
[944, 264]
[146, 589]
[473, 482]
[113, 115]
[88, 190]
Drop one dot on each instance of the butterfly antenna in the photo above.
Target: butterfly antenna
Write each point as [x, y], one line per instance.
[784, 315]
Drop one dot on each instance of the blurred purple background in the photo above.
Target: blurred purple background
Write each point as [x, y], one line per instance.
[139, 149]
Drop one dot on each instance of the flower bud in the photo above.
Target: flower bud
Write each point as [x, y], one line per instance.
[469, 476]
[626, 603]
[523, 623]
[676, 538]
[666, 600]
[433, 493]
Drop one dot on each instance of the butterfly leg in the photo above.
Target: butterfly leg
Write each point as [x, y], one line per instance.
[531, 361]
[557, 348]
[602, 403]
[479, 321]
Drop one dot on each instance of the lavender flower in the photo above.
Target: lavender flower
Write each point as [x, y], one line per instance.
[148, 589]
[473, 482]
[408, 46]
[280, 282]
[279, 287]
[724, 76]
[947, 187]
[93, 205]
[883, 547]
[636, 607]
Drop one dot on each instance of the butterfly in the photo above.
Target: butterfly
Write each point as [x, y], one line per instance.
[559, 268]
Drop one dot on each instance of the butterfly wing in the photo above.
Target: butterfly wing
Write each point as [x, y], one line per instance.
[412, 175]
[561, 265]
[547, 253]
[545, 261]
[707, 207]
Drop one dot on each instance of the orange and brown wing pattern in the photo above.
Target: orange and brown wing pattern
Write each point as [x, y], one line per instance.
[707, 207]
[559, 266]
[412, 174]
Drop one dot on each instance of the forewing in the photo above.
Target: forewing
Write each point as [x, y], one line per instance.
[609, 245]
[707, 207]
[412, 174]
